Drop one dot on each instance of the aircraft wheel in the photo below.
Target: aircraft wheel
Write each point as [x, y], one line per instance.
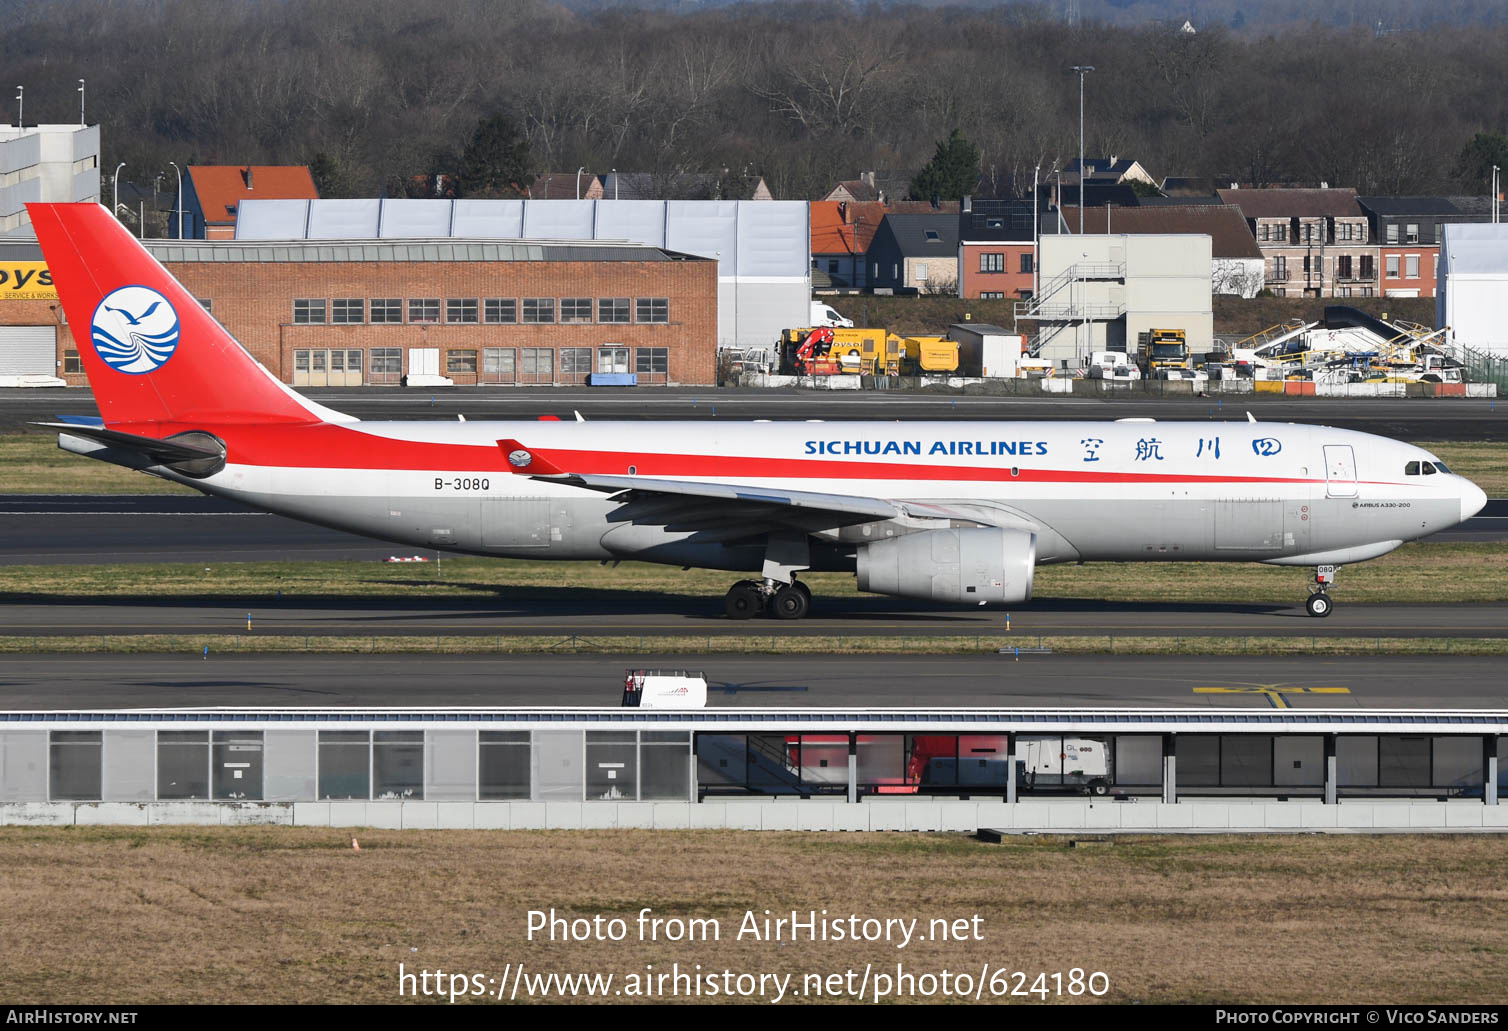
[1319, 604]
[743, 601]
[792, 601]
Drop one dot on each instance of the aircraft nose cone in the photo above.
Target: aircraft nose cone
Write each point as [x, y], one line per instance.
[1473, 500]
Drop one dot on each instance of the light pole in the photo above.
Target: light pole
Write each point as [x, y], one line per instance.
[20, 107]
[81, 104]
[578, 181]
[115, 188]
[615, 184]
[1036, 225]
[1083, 70]
[179, 174]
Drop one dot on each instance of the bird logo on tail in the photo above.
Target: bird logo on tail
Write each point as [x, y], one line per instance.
[134, 330]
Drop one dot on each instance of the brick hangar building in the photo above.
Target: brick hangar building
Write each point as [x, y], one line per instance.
[372, 312]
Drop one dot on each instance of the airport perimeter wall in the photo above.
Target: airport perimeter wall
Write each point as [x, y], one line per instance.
[1068, 816]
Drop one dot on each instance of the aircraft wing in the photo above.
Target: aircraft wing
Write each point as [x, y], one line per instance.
[729, 508]
[737, 510]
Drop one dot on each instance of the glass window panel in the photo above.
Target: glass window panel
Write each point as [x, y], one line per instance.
[1245, 760]
[721, 760]
[307, 311]
[75, 765]
[500, 310]
[539, 310]
[1198, 760]
[344, 764]
[398, 764]
[666, 765]
[1138, 759]
[461, 309]
[236, 764]
[503, 764]
[575, 309]
[182, 764]
[611, 765]
[1457, 762]
[614, 310]
[387, 309]
[460, 361]
[1403, 761]
[424, 309]
[1356, 761]
[651, 309]
[824, 759]
[347, 310]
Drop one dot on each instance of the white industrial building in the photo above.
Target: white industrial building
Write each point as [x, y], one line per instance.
[1472, 293]
[763, 248]
[38, 163]
[1100, 293]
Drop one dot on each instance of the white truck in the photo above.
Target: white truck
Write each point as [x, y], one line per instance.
[1053, 761]
[1111, 365]
[827, 315]
[664, 689]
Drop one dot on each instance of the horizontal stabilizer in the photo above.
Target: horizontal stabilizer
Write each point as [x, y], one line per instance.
[166, 452]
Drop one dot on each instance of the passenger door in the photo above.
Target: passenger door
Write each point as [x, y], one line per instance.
[1340, 471]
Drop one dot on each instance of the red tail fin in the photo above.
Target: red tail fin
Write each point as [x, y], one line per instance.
[153, 354]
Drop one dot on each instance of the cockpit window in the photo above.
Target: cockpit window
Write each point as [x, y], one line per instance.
[1441, 467]
[1412, 469]
[1429, 469]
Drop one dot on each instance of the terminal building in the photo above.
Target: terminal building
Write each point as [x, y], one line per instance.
[913, 769]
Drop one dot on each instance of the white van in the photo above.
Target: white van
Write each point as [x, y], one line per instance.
[827, 315]
[664, 689]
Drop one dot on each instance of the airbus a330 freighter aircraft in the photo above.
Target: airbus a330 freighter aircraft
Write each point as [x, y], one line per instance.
[950, 512]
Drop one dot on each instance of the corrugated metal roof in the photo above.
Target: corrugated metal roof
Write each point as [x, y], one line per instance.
[409, 250]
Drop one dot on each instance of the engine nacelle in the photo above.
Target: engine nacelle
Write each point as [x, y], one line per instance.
[985, 564]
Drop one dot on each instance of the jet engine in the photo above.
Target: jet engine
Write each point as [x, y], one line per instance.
[985, 564]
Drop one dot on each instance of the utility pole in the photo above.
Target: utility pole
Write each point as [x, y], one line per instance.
[82, 123]
[1036, 226]
[1083, 70]
[20, 107]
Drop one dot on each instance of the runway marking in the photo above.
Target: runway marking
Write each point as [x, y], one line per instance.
[1274, 692]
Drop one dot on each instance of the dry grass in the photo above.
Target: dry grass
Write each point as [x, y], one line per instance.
[292, 915]
[1483, 463]
[32, 463]
[1417, 573]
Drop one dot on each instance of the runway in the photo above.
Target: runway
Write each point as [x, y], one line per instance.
[45, 529]
[583, 613]
[1414, 419]
[142, 681]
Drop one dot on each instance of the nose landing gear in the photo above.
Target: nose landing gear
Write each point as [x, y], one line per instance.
[1319, 603]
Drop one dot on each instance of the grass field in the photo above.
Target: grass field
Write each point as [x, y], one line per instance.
[1422, 572]
[293, 915]
[31, 463]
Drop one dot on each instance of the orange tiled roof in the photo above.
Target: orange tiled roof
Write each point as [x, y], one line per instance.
[222, 188]
[841, 227]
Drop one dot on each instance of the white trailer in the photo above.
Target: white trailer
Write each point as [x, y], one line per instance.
[664, 689]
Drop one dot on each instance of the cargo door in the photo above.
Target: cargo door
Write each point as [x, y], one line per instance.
[1340, 471]
[1248, 524]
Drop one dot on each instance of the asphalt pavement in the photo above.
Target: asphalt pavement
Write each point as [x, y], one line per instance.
[55, 682]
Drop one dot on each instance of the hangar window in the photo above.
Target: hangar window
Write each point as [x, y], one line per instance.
[75, 765]
[575, 309]
[424, 309]
[651, 309]
[614, 310]
[652, 362]
[463, 362]
[398, 764]
[347, 311]
[539, 310]
[460, 309]
[503, 764]
[500, 311]
[386, 364]
[387, 309]
[498, 364]
[536, 365]
[575, 364]
[71, 362]
[308, 312]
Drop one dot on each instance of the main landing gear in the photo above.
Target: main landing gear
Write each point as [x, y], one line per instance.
[1319, 603]
[749, 598]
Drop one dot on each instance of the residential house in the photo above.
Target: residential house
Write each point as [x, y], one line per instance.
[1236, 262]
[864, 188]
[582, 185]
[1316, 243]
[996, 249]
[1112, 169]
[1408, 231]
[212, 196]
[841, 234]
[915, 254]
